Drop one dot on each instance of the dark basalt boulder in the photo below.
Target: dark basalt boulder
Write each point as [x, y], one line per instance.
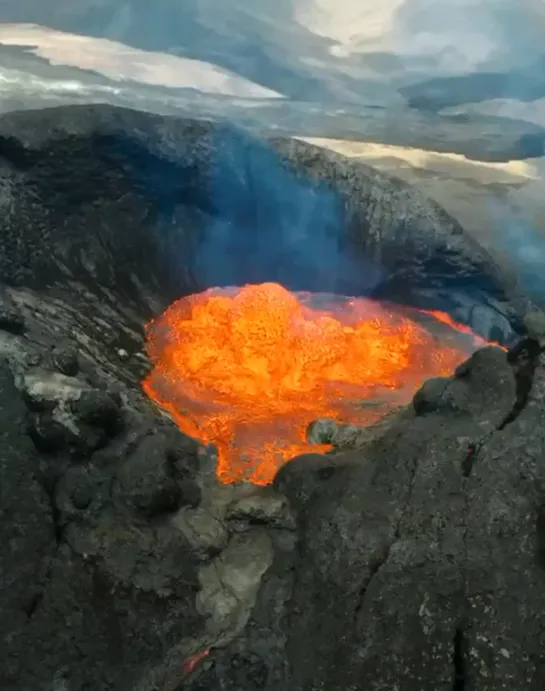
[411, 560]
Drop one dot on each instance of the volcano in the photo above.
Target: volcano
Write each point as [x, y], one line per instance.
[248, 369]
[214, 267]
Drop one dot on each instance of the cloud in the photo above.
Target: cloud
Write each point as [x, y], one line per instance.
[459, 35]
[120, 62]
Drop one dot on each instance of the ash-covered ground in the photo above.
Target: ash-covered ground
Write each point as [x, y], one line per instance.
[411, 558]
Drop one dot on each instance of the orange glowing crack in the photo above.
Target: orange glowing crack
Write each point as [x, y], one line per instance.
[248, 369]
[191, 664]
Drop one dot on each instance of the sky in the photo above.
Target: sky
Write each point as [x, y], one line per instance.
[430, 54]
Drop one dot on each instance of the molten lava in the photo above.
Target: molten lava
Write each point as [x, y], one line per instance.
[248, 369]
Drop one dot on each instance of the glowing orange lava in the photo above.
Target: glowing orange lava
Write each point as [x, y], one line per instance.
[248, 369]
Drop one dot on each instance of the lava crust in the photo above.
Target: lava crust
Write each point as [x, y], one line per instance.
[410, 557]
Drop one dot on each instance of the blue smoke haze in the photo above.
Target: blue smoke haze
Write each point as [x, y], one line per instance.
[271, 225]
[524, 246]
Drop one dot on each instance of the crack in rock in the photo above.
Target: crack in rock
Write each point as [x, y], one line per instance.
[458, 661]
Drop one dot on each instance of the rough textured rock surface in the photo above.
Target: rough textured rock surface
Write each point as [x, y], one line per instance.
[419, 561]
[412, 559]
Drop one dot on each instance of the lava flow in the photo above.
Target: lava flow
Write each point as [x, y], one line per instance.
[248, 369]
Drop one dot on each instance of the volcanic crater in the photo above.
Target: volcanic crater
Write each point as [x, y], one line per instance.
[275, 299]
[253, 369]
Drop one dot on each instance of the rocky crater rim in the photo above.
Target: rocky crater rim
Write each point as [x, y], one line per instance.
[127, 211]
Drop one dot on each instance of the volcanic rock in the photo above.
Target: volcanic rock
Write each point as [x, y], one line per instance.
[148, 482]
[535, 324]
[205, 533]
[488, 374]
[97, 409]
[76, 489]
[43, 390]
[411, 560]
[322, 431]
[230, 583]
[388, 531]
[11, 318]
[65, 359]
[260, 508]
[66, 412]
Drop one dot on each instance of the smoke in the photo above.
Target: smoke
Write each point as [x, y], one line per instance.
[269, 224]
[517, 239]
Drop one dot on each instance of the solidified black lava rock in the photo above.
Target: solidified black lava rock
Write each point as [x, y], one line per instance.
[413, 561]
[48, 434]
[97, 409]
[262, 507]
[65, 359]
[79, 487]
[433, 395]
[11, 318]
[147, 481]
